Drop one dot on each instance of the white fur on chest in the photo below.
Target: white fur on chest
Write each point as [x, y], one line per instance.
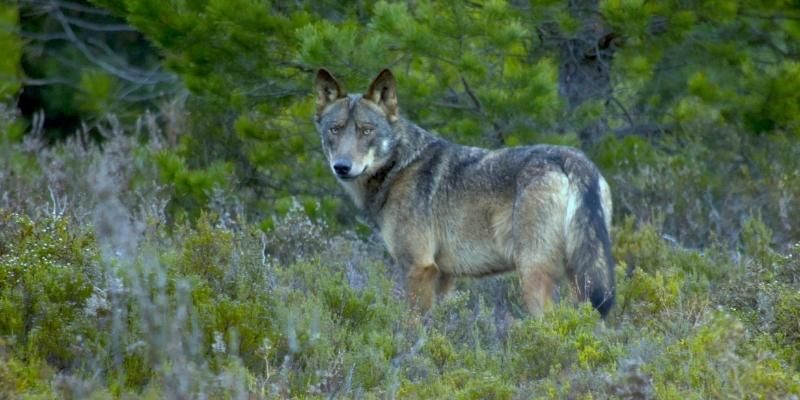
[356, 191]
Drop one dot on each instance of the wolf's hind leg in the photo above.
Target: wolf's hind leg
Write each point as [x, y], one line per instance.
[444, 284]
[423, 281]
[537, 288]
[538, 237]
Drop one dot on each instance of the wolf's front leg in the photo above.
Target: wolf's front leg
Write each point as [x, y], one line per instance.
[422, 284]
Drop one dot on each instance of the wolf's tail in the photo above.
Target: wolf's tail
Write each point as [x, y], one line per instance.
[589, 245]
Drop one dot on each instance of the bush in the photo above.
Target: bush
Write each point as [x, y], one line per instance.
[566, 339]
[109, 295]
[45, 281]
[203, 310]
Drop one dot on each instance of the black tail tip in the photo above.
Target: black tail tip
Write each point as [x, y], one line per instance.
[602, 301]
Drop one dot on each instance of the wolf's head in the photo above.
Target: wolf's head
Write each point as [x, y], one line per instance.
[356, 130]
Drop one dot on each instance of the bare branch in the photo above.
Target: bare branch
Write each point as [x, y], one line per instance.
[472, 96]
[67, 5]
[622, 107]
[643, 130]
[99, 27]
[44, 37]
[126, 73]
[454, 106]
[47, 82]
[107, 51]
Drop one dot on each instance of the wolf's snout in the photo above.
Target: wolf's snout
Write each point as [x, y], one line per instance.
[342, 167]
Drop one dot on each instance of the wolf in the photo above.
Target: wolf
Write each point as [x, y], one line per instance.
[445, 210]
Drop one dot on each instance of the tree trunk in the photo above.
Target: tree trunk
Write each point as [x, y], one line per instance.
[584, 71]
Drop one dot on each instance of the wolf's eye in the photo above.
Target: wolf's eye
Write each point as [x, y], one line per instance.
[367, 131]
[334, 130]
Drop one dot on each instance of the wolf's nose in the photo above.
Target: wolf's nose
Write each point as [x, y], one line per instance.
[342, 167]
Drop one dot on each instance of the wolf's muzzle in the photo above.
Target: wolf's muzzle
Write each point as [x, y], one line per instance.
[342, 167]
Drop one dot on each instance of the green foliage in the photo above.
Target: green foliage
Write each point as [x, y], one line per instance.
[720, 75]
[97, 93]
[207, 253]
[570, 339]
[712, 176]
[256, 115]
[29, 377]
[77, 63]
[460, 384]
[711, 363]
[630, 16]
[11, 48]
[11, 130]
[486, 73]
[192, 187]
[787, 316]
[205, 305]
[45, 281]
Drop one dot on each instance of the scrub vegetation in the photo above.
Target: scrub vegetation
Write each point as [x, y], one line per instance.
[169, 227]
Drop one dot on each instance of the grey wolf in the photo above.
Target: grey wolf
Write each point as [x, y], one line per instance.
[446, 210]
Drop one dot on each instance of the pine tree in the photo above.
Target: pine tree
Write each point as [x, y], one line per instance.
[81, 63]
[11, 48]
[488, 73]
[11, 130]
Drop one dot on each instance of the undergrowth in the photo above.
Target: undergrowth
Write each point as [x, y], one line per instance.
[104, 292]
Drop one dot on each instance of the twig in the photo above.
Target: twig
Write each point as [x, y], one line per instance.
[472, 96]
[624, 110]
[99, 27]
[455, 106]
[127, 74]
[68, 5]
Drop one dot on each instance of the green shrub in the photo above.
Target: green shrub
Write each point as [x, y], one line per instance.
[207, 252]
[45, 281]
[459, 384]
[563, 340]
[217, 306]
[713, 361]
[787, 322]
[30, 378]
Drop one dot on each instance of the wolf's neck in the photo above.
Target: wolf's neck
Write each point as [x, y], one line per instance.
[412, 141]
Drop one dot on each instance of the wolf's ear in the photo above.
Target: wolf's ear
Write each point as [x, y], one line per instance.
[328, 89]
[383, 92]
